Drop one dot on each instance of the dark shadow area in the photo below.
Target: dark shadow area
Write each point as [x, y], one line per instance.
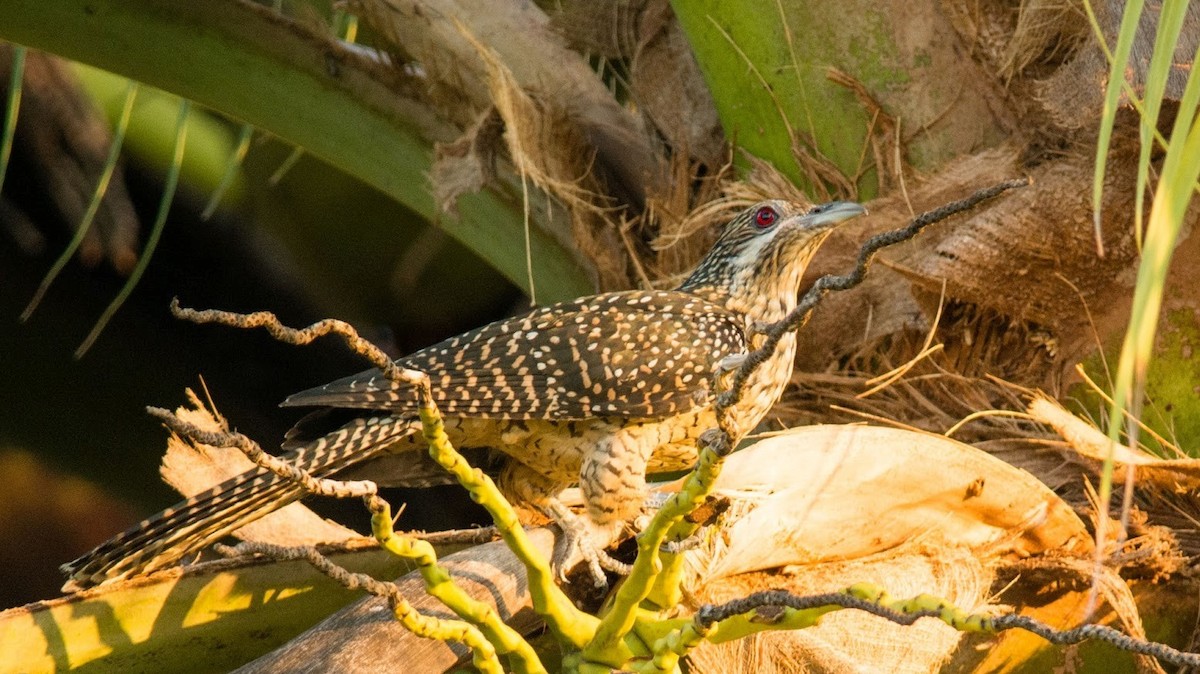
[73, 419]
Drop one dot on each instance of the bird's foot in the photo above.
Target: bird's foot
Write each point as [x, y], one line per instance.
[730, 363]
[723, 372]
[584, 542]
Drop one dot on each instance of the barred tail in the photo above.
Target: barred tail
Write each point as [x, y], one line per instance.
[205, 518]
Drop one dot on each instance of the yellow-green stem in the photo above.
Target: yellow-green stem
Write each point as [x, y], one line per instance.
[609, 648]
[483, 655]
[568, 623]
[439, 584]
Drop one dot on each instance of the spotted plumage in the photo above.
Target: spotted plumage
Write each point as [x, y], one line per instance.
[629, 354]
[597, 391]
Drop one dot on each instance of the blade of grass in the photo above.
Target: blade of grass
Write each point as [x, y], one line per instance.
[1131, 97]
[235, 162]
[795, 63]
[277, 176]
[13, 107]
[350, 21]
[1170, 24]
[89, 215]
[160, 221]
[762, 81]
[1118, 60]
[1181, 169]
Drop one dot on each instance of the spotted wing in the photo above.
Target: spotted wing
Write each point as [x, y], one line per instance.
[633, 354]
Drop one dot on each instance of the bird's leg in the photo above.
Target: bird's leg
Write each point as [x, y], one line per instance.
[582, 541]
[613, 481]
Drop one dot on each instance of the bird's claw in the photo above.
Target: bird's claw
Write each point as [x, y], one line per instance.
[730, 363]
[725, 367]
[583, 541]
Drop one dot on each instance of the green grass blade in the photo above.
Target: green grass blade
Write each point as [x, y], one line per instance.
[795, 63]
[1181, 168]
[346, 24]
[350, 33]
[1118, 60]
[89, 215]
[277, 176]
[1170, 24]
[13, 107]
[160, 221]
[231, 171]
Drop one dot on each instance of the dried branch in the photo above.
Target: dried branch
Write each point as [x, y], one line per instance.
[770, 609]
[301, 337]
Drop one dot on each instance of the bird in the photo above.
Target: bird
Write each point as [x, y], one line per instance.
[598, 391]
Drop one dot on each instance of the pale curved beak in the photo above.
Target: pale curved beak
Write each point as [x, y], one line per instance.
[826, 216]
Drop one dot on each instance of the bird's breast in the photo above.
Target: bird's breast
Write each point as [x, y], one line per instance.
[765, 386]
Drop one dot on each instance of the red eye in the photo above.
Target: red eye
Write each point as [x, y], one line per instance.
[765, 217]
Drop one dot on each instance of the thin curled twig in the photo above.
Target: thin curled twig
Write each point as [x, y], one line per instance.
[710, 614]
[310, 554]
[279, 466]
[303, 336]
[1161, 652]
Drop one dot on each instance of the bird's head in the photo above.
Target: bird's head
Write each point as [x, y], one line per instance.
[760, 256]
